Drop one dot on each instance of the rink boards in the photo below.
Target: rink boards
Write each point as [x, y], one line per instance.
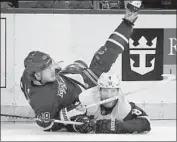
[70, 37]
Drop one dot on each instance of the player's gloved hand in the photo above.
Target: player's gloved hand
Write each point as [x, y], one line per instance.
[88, 125]
[109, 126]
[71, 111]
[76, 68]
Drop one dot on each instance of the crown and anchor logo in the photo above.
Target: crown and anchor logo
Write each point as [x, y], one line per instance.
[142, 49]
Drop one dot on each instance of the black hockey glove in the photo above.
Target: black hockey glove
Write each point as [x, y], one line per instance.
[87, 127]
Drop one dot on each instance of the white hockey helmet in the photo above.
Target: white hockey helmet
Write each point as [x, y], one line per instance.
[109, 80]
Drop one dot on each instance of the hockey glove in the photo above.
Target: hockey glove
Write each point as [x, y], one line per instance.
[87, 127]
[71, 111]
[76, 68]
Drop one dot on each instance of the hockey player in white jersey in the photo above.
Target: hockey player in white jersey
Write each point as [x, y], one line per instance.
[118, 116]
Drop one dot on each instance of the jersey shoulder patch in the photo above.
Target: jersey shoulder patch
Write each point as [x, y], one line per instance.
[137, 111]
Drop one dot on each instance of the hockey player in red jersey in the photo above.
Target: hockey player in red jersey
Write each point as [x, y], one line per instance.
[117, 116]
[50, 94]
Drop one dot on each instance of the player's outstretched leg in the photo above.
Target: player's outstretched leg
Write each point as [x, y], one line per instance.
[120, 37]
[115, 45]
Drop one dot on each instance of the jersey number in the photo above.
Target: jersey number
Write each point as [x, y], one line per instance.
[44, 116]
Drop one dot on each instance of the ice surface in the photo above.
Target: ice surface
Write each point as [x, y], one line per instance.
[161, 131]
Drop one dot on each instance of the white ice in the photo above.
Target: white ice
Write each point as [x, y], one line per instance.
[161, 131]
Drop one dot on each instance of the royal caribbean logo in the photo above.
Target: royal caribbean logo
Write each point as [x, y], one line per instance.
[144, 59]
[147, 50]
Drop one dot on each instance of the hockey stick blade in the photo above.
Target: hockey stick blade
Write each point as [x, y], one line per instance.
[167, 78]
[17, 116]
[33, 118]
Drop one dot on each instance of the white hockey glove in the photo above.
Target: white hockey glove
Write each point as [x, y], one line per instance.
[71, 111]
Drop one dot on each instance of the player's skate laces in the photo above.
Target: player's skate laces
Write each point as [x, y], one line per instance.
[132, 10]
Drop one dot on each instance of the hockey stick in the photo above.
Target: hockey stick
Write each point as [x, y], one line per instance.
[169, 78]
[34, 118]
